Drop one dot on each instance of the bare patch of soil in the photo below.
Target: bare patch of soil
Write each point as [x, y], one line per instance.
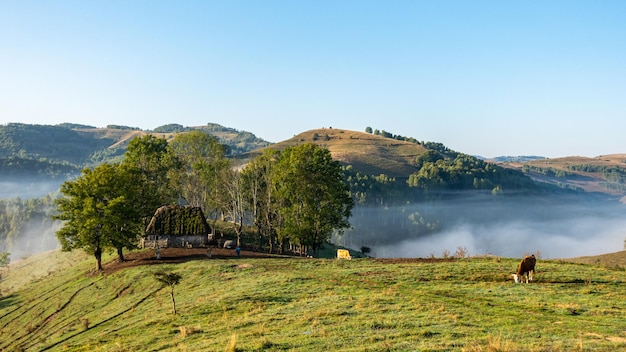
[178, 255]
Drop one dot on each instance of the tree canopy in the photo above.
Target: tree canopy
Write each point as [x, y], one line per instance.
[299, 193]
[98, 211]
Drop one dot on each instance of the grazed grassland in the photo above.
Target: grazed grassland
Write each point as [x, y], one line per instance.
[320, 304]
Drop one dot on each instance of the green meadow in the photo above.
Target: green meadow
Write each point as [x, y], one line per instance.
[297, 304]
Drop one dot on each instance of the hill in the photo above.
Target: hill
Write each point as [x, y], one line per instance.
[299, 304]
[613, 260]
[36, 159]
[57, 152]
[82, 145]
[604, 174]
[368, 153]
[55, 143]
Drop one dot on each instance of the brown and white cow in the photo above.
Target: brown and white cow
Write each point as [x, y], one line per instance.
[526, 268]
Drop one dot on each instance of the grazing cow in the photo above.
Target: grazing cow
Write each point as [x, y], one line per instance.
[526, 268]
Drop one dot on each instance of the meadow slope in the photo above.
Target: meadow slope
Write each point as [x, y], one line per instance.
[298, 304]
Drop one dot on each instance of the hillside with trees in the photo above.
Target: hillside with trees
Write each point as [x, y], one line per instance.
[602, 175]
[392, 187]
[82, 145]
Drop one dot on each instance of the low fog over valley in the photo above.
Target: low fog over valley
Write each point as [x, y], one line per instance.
[554, 228]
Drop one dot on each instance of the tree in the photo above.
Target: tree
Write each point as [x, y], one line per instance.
[368, 130]
[428, 156]
[149, 161]
[237, 206]
[315, 200]
[260, 193]
[168, 279]
[5, 259]
[97, 212]
[203, 162]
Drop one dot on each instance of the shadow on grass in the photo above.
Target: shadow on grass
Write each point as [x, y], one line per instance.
[7, 301]
[132, 307]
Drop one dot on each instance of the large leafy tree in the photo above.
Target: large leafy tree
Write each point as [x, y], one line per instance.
[150, 162]
[315, 200]
[98, 211]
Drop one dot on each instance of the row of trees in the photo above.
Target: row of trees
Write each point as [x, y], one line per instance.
[293, 197]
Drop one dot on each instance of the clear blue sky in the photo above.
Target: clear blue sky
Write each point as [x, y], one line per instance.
[485, 78]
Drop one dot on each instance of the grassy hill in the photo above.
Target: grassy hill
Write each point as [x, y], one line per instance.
[604, 174]
[370, 154]
[298, 304]
[84, 145]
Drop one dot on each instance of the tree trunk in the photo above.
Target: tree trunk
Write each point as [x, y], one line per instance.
[120, 254]
[173, 301]
[239, 230]
[271, 242]
[98, 254]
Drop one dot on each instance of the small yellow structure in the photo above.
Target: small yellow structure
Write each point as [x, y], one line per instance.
[343, 254]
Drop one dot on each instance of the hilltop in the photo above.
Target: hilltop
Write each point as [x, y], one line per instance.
[368, 153]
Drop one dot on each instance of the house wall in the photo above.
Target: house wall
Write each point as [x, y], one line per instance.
[174, 241]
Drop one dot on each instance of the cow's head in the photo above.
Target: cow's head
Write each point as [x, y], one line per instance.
[517, 278]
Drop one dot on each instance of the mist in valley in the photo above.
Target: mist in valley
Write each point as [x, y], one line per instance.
[27, 188]
[26, 226]
[512, 227]
[36, 236]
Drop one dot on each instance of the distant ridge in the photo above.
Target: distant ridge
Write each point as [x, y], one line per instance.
[368, 153]
[515, 159]
[605, 174]
[84, 145]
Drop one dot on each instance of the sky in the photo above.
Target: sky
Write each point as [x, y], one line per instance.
[486, 78]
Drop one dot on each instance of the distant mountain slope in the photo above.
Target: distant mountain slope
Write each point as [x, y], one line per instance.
[82, 145]
[237, 141]
[604, 174]
[56, 143]
[515, 159]
[368, 153]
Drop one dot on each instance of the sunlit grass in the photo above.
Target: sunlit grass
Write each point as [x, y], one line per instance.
[318, 304]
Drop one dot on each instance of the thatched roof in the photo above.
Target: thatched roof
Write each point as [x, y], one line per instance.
[177, 220]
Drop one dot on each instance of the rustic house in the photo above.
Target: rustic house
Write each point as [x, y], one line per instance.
[177, 226]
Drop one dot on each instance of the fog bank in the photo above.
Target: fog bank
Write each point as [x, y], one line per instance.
[26, 190]
[35, 236]
[512, 227]
[562, 239]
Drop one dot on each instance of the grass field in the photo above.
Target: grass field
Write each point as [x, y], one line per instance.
[298, 304]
